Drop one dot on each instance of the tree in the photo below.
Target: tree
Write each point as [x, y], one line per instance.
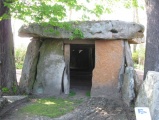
[45, 12]
[152, 43]
[8, 81]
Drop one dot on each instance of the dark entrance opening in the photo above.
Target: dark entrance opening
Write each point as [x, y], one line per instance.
[82, 61]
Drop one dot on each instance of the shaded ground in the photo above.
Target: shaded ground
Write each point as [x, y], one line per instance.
[90, 109]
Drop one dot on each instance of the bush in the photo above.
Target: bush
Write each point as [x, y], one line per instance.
[19, 57]
[135, 57]
[139, 58]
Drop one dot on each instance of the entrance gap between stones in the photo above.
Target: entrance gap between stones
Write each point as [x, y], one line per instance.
[82, 62]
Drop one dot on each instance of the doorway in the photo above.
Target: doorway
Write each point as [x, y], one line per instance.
[82, 61]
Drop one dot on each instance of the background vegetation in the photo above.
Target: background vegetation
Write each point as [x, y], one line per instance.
[19, 57]
[139, 58]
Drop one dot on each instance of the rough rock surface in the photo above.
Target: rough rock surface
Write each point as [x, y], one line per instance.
[50, 68]
[66, 82]
[0, 93]
[148, 95]
[105, 75]
[128, 93]
[137, 83]
[3, 102]
[107, 30]
[128, 55]
[29, 67]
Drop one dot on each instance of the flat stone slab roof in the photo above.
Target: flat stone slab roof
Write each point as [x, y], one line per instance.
[105, 30]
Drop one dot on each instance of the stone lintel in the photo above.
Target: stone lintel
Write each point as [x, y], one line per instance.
[103, 30]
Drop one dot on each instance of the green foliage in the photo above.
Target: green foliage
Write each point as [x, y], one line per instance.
[19, 57]
[50, 107]
[141, 53]
[5, 90]
[72, 93]
[77, 34]
[139, 58]
[88, 94]
[14, 88]
[54, 12]
[135, 57]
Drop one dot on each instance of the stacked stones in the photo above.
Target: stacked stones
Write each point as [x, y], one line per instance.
[45, 64]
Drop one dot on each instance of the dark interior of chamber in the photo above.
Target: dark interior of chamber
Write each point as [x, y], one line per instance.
[82, 61]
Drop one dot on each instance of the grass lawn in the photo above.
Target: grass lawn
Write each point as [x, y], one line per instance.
[50, 107]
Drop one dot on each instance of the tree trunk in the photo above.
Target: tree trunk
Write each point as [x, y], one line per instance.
[7, 62]
[152, 43]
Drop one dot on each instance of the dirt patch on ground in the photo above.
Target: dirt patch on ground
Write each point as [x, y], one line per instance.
[89, 109]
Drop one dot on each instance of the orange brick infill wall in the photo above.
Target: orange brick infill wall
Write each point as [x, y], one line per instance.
[108, 60]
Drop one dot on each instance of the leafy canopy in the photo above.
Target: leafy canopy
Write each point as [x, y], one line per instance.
[54, 12]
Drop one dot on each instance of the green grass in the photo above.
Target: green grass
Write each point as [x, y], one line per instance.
[88, 94]
[50, 107]
[72, 93]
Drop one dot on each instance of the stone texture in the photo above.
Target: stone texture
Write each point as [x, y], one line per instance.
[121, 73]
[3, 103]
[106, 30]
[66, 76]
[29, 68]
[137, 83]
[108, 62]
[50, 68]
[128, 56]
[128, 93]
[66, 82]
[0, 93]
[148, 95]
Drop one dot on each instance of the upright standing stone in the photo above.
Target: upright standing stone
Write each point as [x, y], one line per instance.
[105, 75]
[148, 95]
[50, 68]
[66, 76]
[137, 83]
[128, 93]
[128, 55]
[29, 68]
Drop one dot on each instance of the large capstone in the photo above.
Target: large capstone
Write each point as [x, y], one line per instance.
[148, 95]
[106, 30]
[29, 68]
[108, 61]
[50, 68]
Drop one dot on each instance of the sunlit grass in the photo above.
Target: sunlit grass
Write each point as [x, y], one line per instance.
[50, 107]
